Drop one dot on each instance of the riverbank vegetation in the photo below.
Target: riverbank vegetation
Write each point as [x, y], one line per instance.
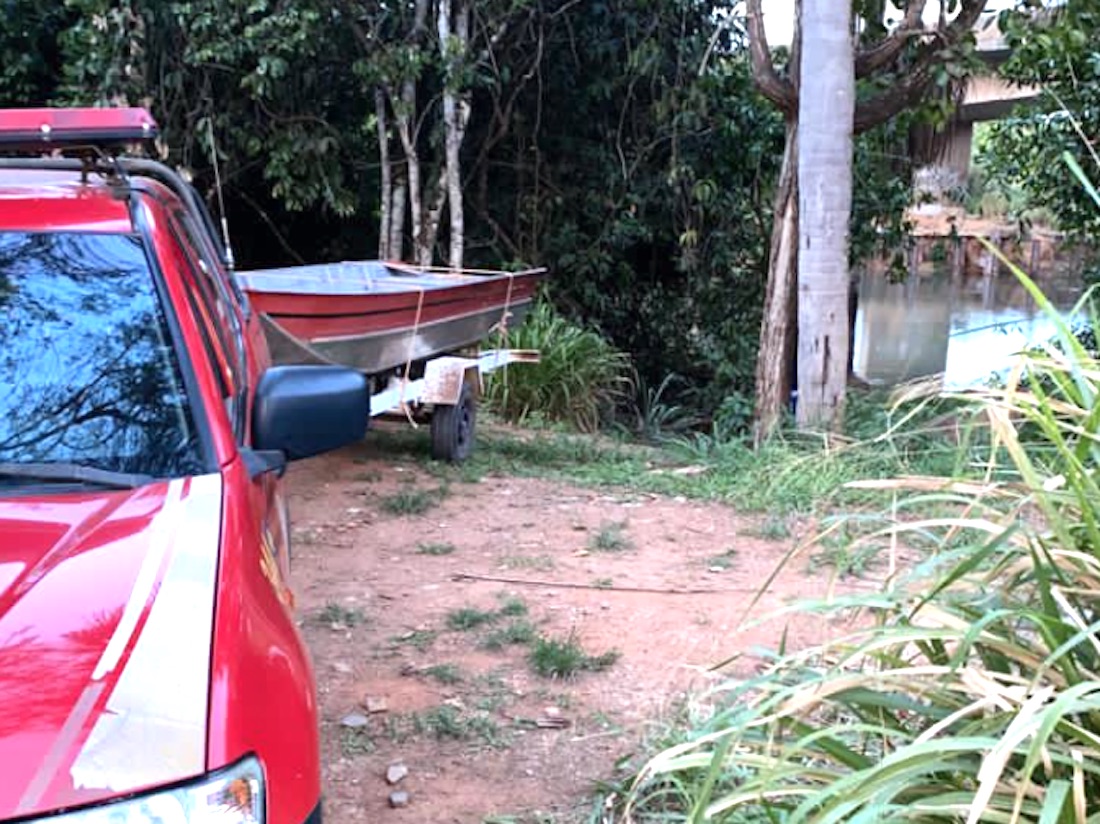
[626, 146]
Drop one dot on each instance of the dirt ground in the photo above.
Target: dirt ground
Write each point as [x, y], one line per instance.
[408, 681]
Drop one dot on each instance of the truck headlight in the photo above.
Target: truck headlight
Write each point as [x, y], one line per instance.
[234, 795]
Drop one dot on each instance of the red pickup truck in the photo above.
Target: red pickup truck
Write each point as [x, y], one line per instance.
[150, 667]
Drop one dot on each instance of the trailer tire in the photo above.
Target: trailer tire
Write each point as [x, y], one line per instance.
[453, 427]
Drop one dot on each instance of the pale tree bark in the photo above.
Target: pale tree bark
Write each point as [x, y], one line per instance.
[825, 120]
[454, 42]
[405, 113]
[397, 217]
[385, 251]
[905, 87]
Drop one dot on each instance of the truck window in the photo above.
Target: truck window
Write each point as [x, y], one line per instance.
[87, 362]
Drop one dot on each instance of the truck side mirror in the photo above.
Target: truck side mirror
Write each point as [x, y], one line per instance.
[302, 411]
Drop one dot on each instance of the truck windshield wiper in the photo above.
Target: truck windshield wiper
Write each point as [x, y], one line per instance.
[73, 473]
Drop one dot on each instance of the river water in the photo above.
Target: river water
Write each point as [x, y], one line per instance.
[965, 328]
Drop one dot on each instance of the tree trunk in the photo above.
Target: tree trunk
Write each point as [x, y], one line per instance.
[406, 118]
[825, 114]
[406, 115]
[454, 43]
[397, 218]
[775, 360]
[386, 185]
[429, 225]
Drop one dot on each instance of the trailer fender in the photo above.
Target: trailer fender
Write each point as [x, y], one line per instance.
[444, 377]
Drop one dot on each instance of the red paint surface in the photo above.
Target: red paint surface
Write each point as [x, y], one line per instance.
[262, 696]
[68, 562]
[67, 568]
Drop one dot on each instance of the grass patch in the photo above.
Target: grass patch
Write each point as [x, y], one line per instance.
[516, 633]
[339, 616]
[846, 556]
[611, 537]
[791, 473]
[772, 528]
[468, 618]
[447, 674]
[419, 639]
[565, 658]
[412, 501]
[540, 562]
[723, 560]
[435, 549]
[446, 723]
[356, 741]
[512, 607]
[464, 619]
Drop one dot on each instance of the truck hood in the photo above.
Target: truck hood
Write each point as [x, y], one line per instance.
[106, 619]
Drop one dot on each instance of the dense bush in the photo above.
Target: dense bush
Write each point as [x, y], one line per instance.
[578, 380]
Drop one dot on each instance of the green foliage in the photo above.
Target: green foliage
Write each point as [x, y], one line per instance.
[446, 674]
[565, 658]
[658, 184]
[611, 537]
[516, 633]
[577, 380]
[467, 618]
[340, 616]
[412, 501]
[971, 690]
[29, 53]
[647, 191]
[1022, 156]
[435, 549]
[650, 416]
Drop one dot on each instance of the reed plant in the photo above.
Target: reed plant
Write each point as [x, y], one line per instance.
[971, 693]
[578, 380]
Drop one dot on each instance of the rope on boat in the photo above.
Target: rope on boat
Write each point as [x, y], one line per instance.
[409, 358]
[502, 324]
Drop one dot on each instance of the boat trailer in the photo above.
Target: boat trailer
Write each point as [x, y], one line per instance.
[448, 389]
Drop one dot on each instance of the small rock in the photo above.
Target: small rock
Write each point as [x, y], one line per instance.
[342, 667]
[605, 605]
[399, 799]
[717, 569]
[396, 772]
[354, 720]
[374, 704]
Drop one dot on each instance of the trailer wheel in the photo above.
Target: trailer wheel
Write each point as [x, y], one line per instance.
[453, 427]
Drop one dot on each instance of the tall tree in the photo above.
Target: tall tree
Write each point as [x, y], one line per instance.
[895, 69]
[825, 111]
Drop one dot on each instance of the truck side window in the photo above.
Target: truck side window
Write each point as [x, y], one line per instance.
[217, 324]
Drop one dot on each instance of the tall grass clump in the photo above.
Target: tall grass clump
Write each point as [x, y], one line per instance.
[972, 693]
[578, 380]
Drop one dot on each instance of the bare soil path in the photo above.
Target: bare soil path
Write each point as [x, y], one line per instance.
[423, 601]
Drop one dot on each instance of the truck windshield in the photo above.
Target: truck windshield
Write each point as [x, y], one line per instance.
[88, 374]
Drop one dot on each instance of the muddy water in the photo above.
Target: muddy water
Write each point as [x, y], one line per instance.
[965, 328]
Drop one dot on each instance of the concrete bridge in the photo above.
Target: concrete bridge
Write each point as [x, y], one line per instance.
[987, 97]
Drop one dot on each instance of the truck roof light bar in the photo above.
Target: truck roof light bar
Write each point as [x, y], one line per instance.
[44, 130]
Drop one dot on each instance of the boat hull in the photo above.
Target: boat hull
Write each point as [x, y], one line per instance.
[376, 317]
